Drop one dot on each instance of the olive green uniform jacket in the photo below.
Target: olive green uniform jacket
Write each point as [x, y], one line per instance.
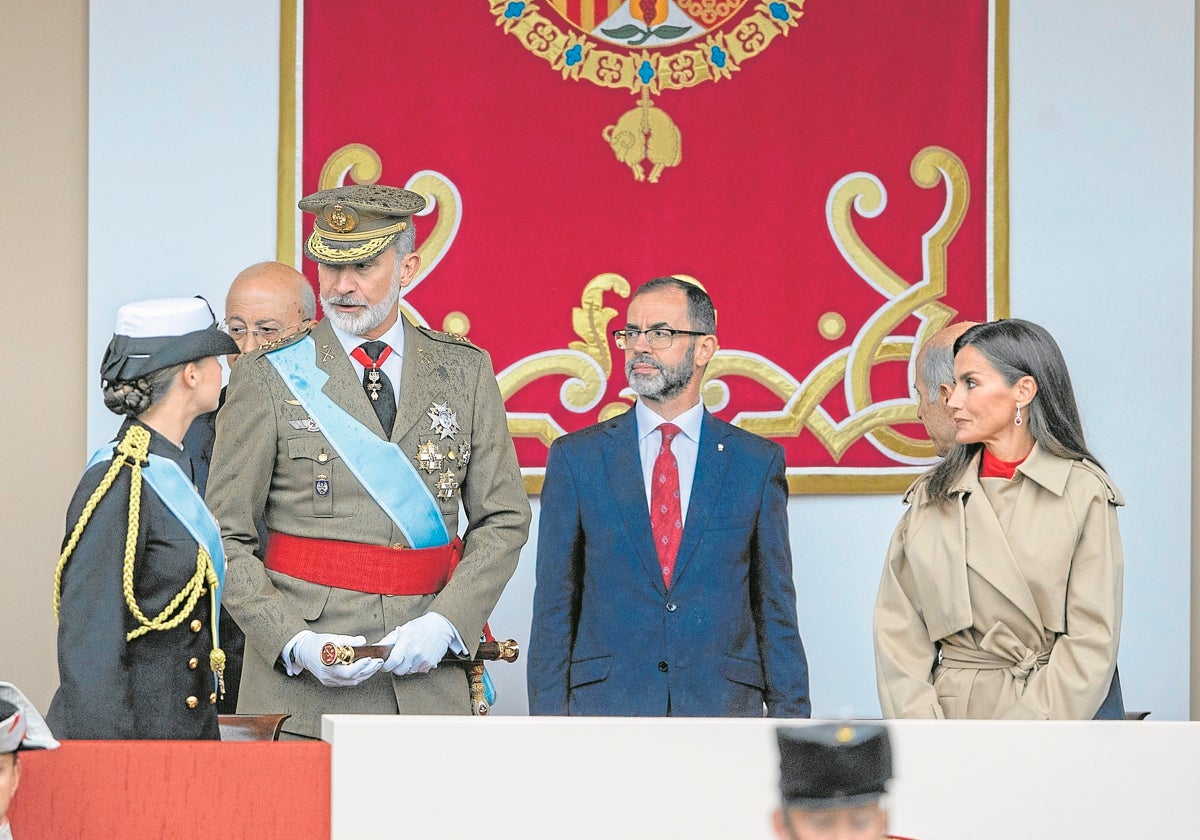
[266, 465]
[1024, 614]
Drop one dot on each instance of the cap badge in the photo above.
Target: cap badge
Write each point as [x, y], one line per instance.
[339, 217]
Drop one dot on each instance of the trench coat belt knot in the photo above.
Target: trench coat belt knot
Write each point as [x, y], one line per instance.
[1021, 663]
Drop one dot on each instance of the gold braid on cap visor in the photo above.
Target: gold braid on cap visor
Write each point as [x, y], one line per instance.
[316, 244]
[355, 236]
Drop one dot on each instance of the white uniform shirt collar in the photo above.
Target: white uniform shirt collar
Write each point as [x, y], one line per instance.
[394, 337]
[393, 366]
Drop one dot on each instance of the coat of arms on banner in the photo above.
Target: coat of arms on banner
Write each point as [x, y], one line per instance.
[831, 172]
[648, 46]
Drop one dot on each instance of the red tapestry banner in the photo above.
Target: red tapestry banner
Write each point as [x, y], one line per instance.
[833, 173]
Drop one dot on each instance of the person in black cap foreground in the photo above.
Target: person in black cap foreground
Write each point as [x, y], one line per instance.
[21, 728]
[832, 781]
[137, 586]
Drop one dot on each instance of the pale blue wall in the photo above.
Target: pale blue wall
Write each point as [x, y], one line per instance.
[1101, 213]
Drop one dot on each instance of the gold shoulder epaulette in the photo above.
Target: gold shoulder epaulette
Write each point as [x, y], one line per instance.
[287, 340]
[448, 337]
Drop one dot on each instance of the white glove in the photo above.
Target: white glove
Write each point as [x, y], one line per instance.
[306, 652]
[419, 645]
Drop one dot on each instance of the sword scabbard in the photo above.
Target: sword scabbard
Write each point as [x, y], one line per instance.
[499, 651]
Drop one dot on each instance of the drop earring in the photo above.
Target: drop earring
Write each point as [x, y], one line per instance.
[1018, 421]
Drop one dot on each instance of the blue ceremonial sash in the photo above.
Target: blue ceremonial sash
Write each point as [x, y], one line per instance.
[177, 492]
[380, 467]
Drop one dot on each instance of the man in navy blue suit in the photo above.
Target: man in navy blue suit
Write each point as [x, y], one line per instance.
[664, 573]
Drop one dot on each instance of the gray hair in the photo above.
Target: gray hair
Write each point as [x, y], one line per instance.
[937, 369]
[308, 301]
[406, 240]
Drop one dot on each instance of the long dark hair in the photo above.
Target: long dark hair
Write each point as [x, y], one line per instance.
[1017, 348]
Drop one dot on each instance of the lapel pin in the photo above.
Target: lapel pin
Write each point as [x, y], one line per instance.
[720, 447]
[326, 353]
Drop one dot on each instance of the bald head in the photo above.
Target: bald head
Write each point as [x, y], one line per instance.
[268, 296]
[934, 382]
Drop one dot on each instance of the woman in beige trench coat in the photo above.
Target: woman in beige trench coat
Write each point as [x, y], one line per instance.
[1001, 594]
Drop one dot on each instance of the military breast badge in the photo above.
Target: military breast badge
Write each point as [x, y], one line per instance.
[446, 485]
[443, 421]
[429, 457]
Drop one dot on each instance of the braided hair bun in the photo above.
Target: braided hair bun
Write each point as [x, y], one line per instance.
[130, 397]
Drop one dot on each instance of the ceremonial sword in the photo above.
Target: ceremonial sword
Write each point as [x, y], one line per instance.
[331, 654]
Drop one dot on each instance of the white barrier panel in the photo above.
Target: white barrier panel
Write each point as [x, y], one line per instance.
[528, 778]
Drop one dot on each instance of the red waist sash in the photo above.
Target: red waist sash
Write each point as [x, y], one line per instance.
[378, 569]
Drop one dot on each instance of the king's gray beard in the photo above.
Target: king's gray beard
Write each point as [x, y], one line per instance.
[368, 319]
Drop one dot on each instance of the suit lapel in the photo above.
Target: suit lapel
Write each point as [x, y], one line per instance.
[712, 465]
[343, 387]
[417, 383]
[624, 470]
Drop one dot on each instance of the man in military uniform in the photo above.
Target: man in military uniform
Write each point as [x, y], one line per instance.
[832, 780]
[357, 442]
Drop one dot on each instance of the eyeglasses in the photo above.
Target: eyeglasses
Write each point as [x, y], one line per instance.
[660, 338]
[264, 335]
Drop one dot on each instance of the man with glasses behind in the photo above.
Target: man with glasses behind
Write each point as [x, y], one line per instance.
[664, 572]
[267, 302]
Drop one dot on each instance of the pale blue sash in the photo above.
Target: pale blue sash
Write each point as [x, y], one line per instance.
[177, 492]
[380, 467]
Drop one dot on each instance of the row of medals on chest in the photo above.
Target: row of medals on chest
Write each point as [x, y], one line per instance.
[443, 425]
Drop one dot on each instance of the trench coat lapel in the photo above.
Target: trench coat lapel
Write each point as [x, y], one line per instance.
[989, 553]
[417, 383]
[623, 464]
[711, 466]
[343, 386]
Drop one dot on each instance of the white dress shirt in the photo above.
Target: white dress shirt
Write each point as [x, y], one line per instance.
[393, 366]
[685, 447]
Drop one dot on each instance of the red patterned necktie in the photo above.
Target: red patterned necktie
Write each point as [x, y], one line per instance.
[666, 514]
